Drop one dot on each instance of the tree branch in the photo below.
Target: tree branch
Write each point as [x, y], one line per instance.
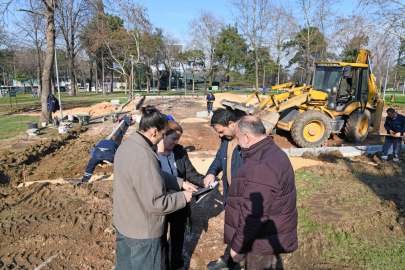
[31, 11]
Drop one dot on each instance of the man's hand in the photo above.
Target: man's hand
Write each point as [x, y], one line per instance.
[188, 186]
[188, 195]
[237, 257]
[397, 134]
[209, 179]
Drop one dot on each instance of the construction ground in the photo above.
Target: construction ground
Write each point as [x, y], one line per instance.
[351, 209]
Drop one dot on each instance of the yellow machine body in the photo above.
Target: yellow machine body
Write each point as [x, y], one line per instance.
[283, 110]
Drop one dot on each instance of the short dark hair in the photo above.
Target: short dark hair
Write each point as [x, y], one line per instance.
[251, 125]
[390, 110]
[173, 127]
[222, 117]
[152, 118]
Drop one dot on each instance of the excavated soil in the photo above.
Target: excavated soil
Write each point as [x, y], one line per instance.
[69, 226]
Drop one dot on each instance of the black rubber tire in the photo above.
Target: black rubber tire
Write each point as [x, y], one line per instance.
[301, 121]
[353, 123]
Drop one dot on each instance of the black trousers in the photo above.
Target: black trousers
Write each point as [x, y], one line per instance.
[209, 106]
[177, 222]
[227, 257]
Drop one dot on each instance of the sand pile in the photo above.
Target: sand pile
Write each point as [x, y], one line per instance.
[202, 165]
[194, 120]
[231, 97]
[100, 109]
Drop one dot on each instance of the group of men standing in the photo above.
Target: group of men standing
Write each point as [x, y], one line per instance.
[259, 195]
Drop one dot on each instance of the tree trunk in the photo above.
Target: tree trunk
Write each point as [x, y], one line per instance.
[147, 79]
[112, 80]
[126, 85]
[158, 82]
[256, 71]
[205, 85]
[170, 81]
[72, 74]
[91, 77]
[398, 82]
[39, 79]
[96, 79]
[48, 63]
[102, 74]
[193, 78]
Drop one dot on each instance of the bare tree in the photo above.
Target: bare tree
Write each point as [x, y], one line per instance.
[32, 28]
[253, 18]
[26, 63]
[70, 18]
[203, 33]
[281, 30]
[309, 38]
[48, 7]
[172, 51]
[387, 15]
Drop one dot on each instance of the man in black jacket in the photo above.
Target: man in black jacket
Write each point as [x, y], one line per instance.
[395, 125]
[228, 160]
[210, 101]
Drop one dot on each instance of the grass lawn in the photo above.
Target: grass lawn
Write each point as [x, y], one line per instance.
[362, 246]
[399, 101]
[11, 126]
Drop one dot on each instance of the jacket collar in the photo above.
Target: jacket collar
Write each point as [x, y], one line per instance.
[259, 146]
[140, 140]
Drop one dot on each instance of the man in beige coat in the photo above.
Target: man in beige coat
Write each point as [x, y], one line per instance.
[140, 199]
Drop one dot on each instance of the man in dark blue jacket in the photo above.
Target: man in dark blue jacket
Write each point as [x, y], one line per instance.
[228, 160]
[395, 125]
[210, 101]
[104, 152]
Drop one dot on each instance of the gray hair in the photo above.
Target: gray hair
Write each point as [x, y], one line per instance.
[251, 125]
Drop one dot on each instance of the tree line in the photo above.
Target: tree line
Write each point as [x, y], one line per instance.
[267, 43]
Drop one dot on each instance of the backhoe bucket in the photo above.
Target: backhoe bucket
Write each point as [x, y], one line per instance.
[269, 119]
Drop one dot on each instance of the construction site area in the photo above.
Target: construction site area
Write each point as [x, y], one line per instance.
[351, 206]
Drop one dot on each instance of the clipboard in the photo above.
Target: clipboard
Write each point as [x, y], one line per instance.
[201, 193]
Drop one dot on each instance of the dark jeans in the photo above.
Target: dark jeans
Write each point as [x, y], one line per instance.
[138, 254]
[257, 262]
[98, 157]
[209, 106]
[396, 142]
[177, 222]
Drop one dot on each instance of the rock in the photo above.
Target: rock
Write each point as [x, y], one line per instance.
[193, 264]
[110, 230]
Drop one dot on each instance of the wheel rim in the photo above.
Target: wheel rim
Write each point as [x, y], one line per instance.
[363, 128]
[314, 131]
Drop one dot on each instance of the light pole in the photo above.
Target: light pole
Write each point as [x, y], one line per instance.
[132, 78]
[278, 74]
[57, 81]
[386, 77]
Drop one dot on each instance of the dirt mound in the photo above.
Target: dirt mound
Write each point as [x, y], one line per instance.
[100, 109]
[65, 156]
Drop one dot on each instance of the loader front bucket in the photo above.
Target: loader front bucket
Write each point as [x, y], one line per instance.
[269, 119]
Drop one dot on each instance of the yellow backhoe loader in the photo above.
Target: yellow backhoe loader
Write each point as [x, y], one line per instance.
[342, 97]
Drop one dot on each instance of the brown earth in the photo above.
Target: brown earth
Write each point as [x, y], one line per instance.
[72, 223]
[69, 226]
